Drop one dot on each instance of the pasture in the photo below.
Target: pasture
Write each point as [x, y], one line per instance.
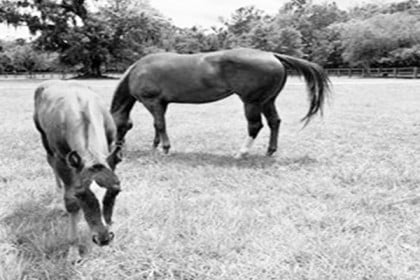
[339, 200]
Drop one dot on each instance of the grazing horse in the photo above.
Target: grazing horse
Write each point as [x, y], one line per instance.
[257, 77]
[78, 134]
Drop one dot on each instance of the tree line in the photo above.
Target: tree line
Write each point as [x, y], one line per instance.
[72, 36]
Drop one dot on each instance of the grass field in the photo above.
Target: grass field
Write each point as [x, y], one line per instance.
[339, 200]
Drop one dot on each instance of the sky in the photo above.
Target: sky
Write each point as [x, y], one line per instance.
[204, 13]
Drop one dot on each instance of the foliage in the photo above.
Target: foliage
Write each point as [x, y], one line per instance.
[268, 37]
[87, 40]
[135, 28]
[20, 56]
[118, 32]
[380, 39]
[65, 27]
[6, 63]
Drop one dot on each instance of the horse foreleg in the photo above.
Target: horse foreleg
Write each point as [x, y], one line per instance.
[51, 162]
[253, 116]
[57, 191]
[73, 208]
[74, 255]
[158, 110]
[50, 156]
[273, 121]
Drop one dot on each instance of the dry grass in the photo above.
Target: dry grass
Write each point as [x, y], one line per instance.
[340, 200]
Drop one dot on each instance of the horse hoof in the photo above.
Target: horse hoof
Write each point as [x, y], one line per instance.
[74, 256]
[166, 149]
[241, 155]
[270, 152]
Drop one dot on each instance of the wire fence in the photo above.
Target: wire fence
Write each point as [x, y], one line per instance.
[37, 76]
[404, 72]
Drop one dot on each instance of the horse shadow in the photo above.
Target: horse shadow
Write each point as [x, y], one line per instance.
[39, 233]
[193, 159]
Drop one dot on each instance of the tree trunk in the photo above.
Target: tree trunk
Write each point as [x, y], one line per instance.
[92, 69]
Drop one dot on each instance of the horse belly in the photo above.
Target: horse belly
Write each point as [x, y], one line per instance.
[204, 96]
[201, 87]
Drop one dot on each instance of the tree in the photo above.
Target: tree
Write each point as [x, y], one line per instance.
[64, 26]
[136, 29]
[84, 39]
[267, 36]
[20, 56]
[312, 22]
[6, 64]
[369, 10]
[240, 24]
[380, 40]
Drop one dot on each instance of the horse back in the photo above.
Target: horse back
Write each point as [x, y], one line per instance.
[73, 118]
[202, 77]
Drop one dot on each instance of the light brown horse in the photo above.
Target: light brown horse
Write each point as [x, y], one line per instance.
[257, 77]
[78, 134]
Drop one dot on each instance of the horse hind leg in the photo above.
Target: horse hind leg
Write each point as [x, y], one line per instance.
[253, 116]
[156, 140]
[273, 121]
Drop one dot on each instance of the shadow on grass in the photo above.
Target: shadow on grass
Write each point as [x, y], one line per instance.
[253, 161]
[38, 232]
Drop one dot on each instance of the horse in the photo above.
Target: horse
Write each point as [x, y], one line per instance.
[78, 134]
[256, 76]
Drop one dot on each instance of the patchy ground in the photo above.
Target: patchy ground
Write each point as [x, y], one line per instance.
[339, 200]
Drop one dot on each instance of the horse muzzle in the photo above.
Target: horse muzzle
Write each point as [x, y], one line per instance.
[103, 239]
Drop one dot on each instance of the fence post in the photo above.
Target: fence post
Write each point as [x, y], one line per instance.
[394, 72]
[415, 72]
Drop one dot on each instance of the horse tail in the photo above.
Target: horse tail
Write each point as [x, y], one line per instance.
[316, 79]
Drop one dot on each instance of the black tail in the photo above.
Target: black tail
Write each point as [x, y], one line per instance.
[316, 80]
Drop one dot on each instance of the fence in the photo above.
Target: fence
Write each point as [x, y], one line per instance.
[405, 72]
[40, 76]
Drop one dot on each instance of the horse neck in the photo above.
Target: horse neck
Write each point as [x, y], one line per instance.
[122, 100]
[122, 103]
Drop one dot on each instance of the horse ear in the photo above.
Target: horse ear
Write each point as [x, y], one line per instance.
[74, 160]
[118, 154]
[103, 176]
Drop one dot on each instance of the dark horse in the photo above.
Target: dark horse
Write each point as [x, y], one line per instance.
[257, 77]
